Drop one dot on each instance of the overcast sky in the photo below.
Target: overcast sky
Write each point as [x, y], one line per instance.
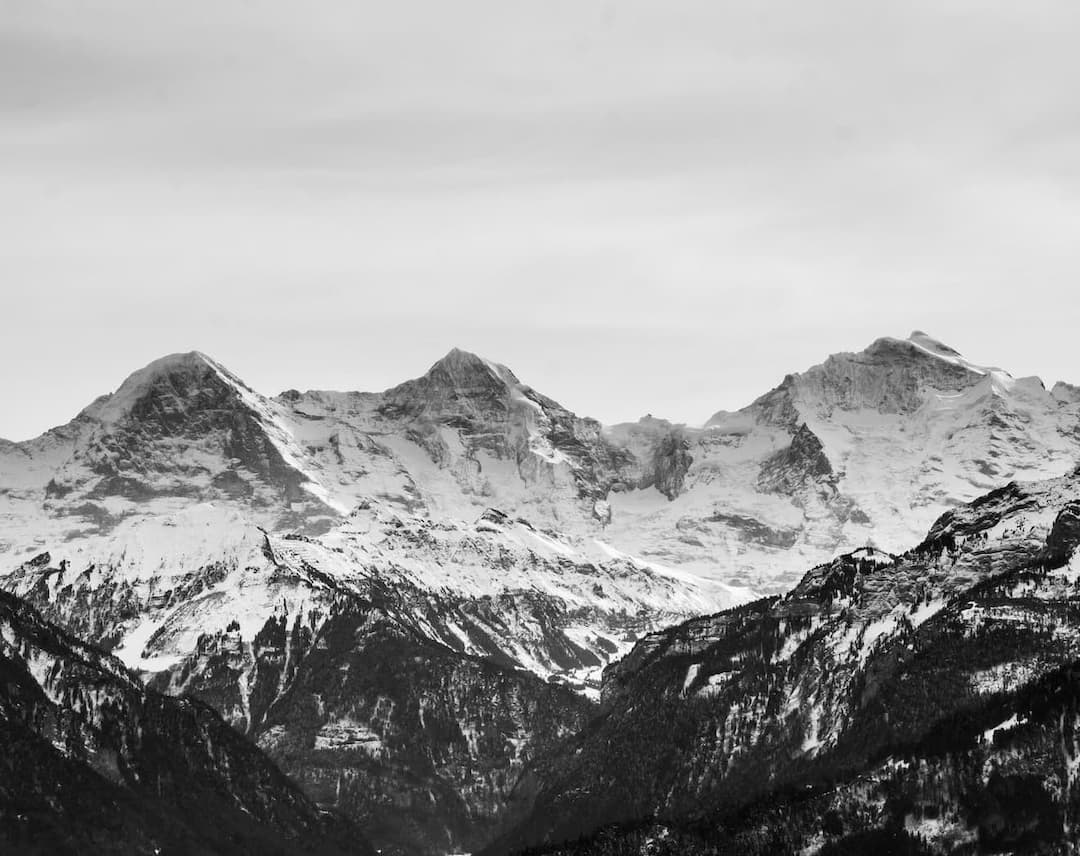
[639, 206]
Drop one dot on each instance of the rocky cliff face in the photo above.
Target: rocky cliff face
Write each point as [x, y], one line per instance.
[418, 744]
[95, 762]
[181, 431]
[658, 456]
[882, 694]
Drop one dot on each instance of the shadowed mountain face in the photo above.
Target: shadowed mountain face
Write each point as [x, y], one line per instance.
[418, 744]
[928, 698]
[94, 762]
[183, 430]
[157, 435]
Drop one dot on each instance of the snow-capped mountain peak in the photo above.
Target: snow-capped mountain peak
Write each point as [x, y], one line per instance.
[869, 444]
[167, 384]
[461, 384]
[460, 366]
[181, 430]
[873, 444]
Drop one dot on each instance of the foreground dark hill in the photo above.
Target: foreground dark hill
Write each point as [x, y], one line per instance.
[927, 701]
[95, 763]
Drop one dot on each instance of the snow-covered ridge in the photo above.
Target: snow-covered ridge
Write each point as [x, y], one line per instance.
[279, 434]
[1001, 380]
[111, 408]
[939, 349]
[497, 587]
[863, 447]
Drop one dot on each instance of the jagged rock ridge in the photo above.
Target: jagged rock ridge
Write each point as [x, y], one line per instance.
[932, 695]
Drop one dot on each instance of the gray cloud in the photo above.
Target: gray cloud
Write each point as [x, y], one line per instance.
[637, 205]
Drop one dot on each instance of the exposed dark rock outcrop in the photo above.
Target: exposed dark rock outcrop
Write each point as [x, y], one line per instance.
[802, 463]
[1064, 536]
[671, 461]
[418, 744]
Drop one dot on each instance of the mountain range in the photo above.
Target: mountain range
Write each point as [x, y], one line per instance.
[450, 611]
[867, 446]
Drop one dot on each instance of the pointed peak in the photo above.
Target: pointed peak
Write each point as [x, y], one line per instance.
[188, 369]
[459, 381]
[172, 362]
[186, 363]
[459, 356]
[459, 364]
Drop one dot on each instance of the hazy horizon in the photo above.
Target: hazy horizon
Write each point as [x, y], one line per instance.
[638, 207]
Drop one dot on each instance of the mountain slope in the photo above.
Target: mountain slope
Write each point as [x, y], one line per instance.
[498, 588]
[875, 681]
[94, 761]
[866, 447]
[466, 435]
[179, 431]
[219, 560]
[377, 656]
